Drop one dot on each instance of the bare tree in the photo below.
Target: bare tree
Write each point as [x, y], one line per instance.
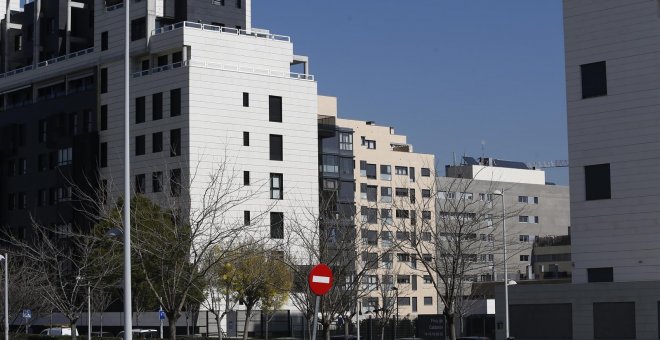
[176, 231]
[347, 243]
[459, 245]
[22, 289]
[64, 263]
[101, 301]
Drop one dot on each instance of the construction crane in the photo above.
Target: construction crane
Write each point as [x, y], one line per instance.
[562, 163]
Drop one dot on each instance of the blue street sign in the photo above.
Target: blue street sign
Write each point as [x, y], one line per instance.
[162, 315]
[27, 313]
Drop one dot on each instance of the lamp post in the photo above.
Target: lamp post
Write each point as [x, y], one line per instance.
[396, 317]
[89, 309]
[506, 278]
[128, 305]
[5, 258]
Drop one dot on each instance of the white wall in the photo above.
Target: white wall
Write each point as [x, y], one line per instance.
[621, 129]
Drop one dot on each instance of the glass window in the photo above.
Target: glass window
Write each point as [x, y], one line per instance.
[426, 172]
[385, 172]
[401, 170]
[277, 225]
[345, 141]
[330, 164]
[276, 186]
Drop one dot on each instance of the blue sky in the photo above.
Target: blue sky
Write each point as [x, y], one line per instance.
[448, 74]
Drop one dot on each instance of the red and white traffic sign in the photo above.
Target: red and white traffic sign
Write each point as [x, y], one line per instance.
[320, 279]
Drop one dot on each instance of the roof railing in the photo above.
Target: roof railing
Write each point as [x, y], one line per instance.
[47, 62]
[251, 70]
[160, 69]
[220, 29]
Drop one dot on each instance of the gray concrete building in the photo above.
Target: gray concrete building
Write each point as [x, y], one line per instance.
[612, 76]
[534, 208]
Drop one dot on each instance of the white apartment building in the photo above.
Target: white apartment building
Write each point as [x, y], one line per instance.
[389, 177]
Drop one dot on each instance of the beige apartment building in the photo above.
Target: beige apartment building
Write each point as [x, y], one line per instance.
[392, 192]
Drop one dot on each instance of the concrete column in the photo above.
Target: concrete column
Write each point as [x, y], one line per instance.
[68, 27]
[248, 15]
[6, 34]
[37, 32]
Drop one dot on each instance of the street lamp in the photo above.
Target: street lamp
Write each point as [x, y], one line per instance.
[89, 308]
[128, 305]
[396, 317]
[506, 278]
[5, 258]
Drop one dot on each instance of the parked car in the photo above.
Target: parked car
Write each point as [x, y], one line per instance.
[343, 337]
[142, 334]
[58, 331]
[103, 335]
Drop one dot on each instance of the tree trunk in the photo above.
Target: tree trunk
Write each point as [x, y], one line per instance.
[346, 328]
[171, 320]
[267, 320]
[326, 331]
[382, 333]
[74, 330]
[248, 314]
[217, 322]
[451, 325]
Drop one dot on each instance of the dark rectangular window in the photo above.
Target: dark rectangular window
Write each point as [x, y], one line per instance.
[428, 300]
[139, 145]
[246, 178]
[43, 131]
[177, 57]
[157, 106]
[138, 28]
[600, 274]
[140, 110]
[597, 182]
[42, 162]
[157, 142]
[104, 117]
[175, 142]
[276, 153]
[162, 60]
[246, 99]
[246, 217]
[42, 197]
[275, 109]
[140, 184]
[594, 79]
[175, 102]
[104, 41]
[157, 181]
[104, 80]
[414, 303]
[614, 320]
[103, 154]
[246, 138]
[11, 201]
[426, 172]
[277, 225]
[175, 182]
[239, 3]
[276, 187]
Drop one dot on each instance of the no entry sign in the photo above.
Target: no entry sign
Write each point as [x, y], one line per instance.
[320, 279]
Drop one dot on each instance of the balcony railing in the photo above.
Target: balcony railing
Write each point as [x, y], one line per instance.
[114, 7]
[160, 69]
[47, 62]
[220, 29]
[251, 70]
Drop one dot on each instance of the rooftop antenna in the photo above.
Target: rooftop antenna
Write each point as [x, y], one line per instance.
[483, 147]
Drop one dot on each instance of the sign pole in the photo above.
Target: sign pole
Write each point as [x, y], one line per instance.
[160, 316]
[316, 317]
[358, 319]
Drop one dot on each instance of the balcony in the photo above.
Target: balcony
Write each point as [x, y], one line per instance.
[220, 30]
